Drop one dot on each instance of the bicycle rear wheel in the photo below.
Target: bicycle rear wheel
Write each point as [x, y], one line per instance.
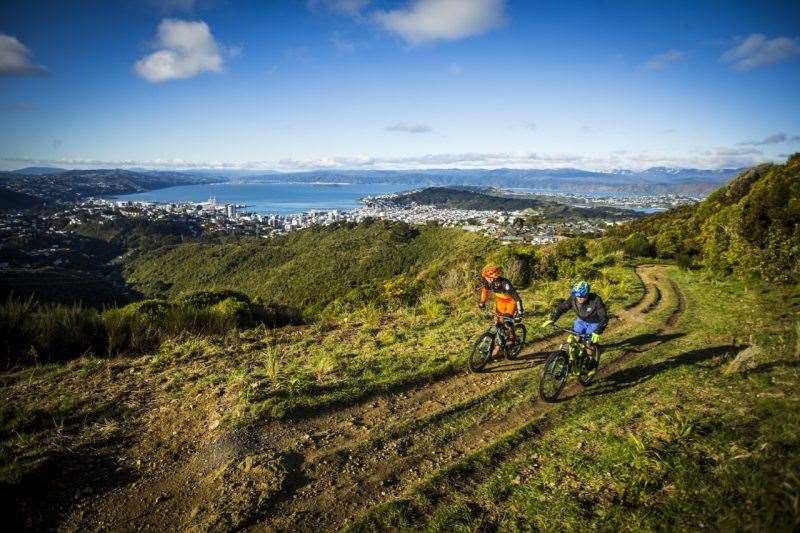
[521, 332]
[481, 352]
[554, 375]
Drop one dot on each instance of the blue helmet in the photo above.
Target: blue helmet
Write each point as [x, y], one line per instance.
[581, 289]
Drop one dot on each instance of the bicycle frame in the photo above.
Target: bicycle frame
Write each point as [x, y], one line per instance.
[576, 347]
[497, 332]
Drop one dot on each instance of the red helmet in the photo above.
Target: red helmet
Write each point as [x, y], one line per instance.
[491, 271]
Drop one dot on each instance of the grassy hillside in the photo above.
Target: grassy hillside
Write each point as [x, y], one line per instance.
[365, 417]
[369, 422]
[312, 269]
[750, 227]
[700, 431]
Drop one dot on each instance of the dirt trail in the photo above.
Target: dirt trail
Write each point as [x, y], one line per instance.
[318, 472]
[347, 482]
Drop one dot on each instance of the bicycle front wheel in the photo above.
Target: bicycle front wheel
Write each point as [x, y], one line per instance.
[554, 375]
[481, 352]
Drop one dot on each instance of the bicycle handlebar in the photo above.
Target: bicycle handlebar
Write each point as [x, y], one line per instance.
[583, 336]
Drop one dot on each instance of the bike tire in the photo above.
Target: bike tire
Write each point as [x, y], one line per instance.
[586, 377]
[481, 352]
[554, 375]
[521, 332]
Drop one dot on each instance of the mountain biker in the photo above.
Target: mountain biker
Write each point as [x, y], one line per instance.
[507, 302]
[591, 311]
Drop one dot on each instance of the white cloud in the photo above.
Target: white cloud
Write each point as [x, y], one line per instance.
[758, 51]
[343, 44]
[660, 61]
[427, 21]
[455, 69]
[709, 159]
[15, 58]
[409, 127]
[186, 49]
[775, 138]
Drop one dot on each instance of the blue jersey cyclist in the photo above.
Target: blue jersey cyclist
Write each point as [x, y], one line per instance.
[590, 310]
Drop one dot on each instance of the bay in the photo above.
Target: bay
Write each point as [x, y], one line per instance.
[275, 198]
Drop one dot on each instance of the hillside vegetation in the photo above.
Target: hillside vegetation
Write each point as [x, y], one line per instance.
[750, 227]
[192, 412]
[347, 265]
[12, 200]
[460, 198]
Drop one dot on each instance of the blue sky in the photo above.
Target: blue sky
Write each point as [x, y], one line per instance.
[398, 84]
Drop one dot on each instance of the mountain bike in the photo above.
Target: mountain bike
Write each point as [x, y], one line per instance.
[497, 335]
[572, 357]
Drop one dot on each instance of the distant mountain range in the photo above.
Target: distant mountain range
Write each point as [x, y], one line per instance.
[50, 183]
[36, 171]
[655, 180]
[68, 185]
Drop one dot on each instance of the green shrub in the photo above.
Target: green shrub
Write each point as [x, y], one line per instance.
[637, 245]
[135, 328]
[603, 246]
[46, 334]
[205, 298]
[402, 290]
[233, 313]
[518, 264]
[684, 260]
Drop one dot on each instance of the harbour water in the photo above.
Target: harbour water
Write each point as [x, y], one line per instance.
[277, 198]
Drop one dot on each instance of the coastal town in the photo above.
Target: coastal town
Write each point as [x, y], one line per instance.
[648, 203]
[52, 229]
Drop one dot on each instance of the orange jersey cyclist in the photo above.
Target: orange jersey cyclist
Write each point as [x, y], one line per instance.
[507, 302]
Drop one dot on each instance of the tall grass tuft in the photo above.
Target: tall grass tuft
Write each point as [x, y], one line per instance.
[272, 362]
[45, 334]
[31, 334]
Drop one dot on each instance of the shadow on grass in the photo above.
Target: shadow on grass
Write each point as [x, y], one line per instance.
[629, 377]
[522, 362]
[47, 493]
[769, 367]
[643, 339]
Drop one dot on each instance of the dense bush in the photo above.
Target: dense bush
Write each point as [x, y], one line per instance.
[748, 228]
[51, 333]
[637, 245]
[567, 259]
[34, 334]
[208, 298]
[518, 263]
